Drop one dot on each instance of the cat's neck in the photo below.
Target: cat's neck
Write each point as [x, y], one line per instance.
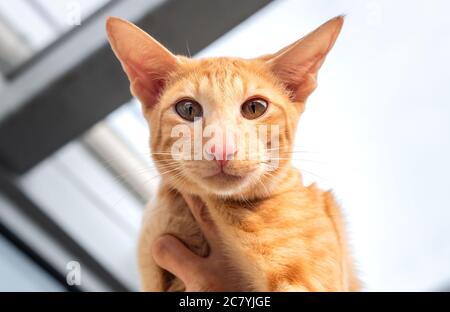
[287, 179]
[283, 180]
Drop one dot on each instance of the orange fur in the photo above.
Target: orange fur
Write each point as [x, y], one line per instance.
[283, 235]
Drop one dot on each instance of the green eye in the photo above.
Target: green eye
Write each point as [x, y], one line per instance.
[254, 108]
[189, 109]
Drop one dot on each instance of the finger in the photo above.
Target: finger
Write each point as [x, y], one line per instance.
[172, 255]
[202, 216]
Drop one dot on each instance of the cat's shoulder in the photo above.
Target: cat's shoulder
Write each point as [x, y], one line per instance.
[326, 197]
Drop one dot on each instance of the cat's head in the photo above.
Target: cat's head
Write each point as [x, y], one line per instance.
[223, 126]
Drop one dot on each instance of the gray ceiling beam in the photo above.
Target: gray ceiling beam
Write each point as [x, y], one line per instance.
[36, 121]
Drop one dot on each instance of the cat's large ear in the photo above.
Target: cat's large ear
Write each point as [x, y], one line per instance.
[297, 65]
[146, 62]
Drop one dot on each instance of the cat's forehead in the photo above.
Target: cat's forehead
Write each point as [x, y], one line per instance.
[220, 69]
[227, 78]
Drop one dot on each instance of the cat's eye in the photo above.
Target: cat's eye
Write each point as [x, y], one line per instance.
[254, 108]
[189, 109]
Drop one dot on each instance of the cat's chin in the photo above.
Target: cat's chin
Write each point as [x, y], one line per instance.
[223, 177]
[224, 184]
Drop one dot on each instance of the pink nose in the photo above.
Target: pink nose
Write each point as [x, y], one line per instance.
[223, 153]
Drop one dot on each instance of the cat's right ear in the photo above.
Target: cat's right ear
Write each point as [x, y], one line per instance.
[146, 62]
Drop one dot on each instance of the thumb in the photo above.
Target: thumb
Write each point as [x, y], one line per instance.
[172, 255]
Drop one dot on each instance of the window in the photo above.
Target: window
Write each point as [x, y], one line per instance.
[19, 273]
[46, 21]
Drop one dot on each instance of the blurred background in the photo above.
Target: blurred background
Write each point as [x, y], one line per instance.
[74, 167]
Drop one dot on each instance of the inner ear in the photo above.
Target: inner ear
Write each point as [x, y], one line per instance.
[146, 62]
[300, 79]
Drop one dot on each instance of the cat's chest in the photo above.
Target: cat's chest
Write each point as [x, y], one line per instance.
[274, 220]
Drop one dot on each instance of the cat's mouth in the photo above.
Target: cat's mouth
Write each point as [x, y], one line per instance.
[224, 180]
[221, 175]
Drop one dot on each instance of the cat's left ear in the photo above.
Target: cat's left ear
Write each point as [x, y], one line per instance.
[146, 62]
[297, 65]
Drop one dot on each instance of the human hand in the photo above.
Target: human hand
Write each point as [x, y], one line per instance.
[211, 273]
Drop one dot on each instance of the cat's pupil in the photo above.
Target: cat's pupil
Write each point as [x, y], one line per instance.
[188, 109]
[254, 108]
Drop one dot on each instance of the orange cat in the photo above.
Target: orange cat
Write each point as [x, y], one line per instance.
[283, 235]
